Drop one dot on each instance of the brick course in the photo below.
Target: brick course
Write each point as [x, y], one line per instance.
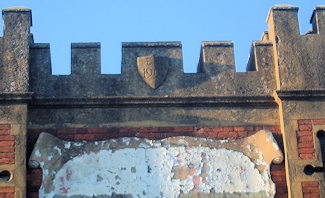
[7, 192]
[305, 138]
[7, 145]
[310, 189]
[34, 176]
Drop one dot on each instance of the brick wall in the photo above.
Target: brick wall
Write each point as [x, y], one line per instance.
[7, 156]
[7, 192]
[34, 176]
[7, 145]
[310, 189]
[306, 150]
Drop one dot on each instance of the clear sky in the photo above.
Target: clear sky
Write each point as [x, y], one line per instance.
[112, 22]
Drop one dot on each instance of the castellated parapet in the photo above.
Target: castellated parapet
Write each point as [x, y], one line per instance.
[283, 90]
[266, 72]
[216, 72]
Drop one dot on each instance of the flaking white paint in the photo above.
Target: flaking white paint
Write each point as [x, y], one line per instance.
[110, 171]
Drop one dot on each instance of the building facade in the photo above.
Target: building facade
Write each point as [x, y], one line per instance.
[283, 91]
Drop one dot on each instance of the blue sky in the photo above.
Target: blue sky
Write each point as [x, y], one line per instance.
[62, 22]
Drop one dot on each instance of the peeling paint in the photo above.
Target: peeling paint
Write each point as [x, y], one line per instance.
[171, 167]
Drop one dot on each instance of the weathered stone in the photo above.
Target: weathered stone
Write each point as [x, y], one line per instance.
[153, 70]
[283, 86]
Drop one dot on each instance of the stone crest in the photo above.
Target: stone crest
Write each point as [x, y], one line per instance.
[153, 70]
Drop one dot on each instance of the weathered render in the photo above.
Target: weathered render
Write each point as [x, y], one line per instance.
[283, 90]
[173, 167]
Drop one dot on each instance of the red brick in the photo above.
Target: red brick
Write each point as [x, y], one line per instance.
[306, 150]
[281, 195]
[97, 130]
[36, 183]
[32, 195]
[7, 161]
[64, 136]
[281, 190]
[306, 139]
[198, 134]
[305, 127]
[281, 183]
[113, 130]
[4, 132]
[10, 195]
[34, 177]
[258, 128]
[277, 178]
[304, 133]
[311, 195]
[183, 129]
[278, 172]
[144, 130]
[212, 135]
[7, 149]
[277, 167]
[310, 189]
[160, 136]
[5, 126]
[166, 129]
[128, 130]
[239, 128]
[272, 128]
[199, 129]
[250, 133]
[153, 129]
[7, 190]
[34, 131]
[226, 135]
[277, 133]
[176, 134]
[242, 134]
[306, 145]
[213, 129]
[82, 131]
[7, 137]
[7, 155]
[249, 128]
[146, 135]
[84, 136]
[100, 136]
[307, 156]
[308, 184]
[127, 134]
[318, 121]
[7, 143]
[67, 131]
[35, 171]
[304, 122]
[228, 128]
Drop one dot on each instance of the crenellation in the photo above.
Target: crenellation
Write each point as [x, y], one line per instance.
[282, 90]
[283, 22]
[85, 59]
[318, 20]
[16, 39]
[216, 71]
[265, 35]
[300, 51]
[217, 57]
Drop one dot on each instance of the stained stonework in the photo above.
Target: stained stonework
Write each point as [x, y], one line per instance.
[283, 90]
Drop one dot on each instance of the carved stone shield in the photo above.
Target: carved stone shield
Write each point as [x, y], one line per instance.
[153, 70]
